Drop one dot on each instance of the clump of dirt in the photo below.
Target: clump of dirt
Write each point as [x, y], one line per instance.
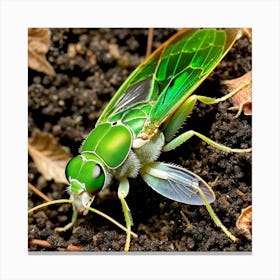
[90, 65]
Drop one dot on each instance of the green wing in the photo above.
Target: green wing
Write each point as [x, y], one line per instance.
[136, 88]
[172, 72]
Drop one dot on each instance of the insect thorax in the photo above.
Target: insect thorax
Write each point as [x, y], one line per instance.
[134, 117]
[138, 158]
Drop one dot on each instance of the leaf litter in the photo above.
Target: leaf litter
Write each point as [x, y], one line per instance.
[49, 156]
[244, 222]
[242, 100]
[38, 46]
[148, 208]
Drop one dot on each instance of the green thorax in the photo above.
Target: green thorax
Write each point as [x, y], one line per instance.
[110, 142]
[134, 117]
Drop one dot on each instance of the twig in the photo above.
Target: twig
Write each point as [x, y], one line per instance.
[150, 41]
[46, 244]
[39, 193]
[189, 225]
[73, 248]
[39, 242]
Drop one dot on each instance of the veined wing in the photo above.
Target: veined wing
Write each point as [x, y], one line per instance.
[139, 86]
[185, 64]
[177, 183]
[172, 72]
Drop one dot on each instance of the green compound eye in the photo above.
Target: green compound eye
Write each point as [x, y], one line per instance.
[95, 179]
[82, 171]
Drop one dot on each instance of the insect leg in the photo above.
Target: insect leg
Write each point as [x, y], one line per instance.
[215, 218]
[188, 134]
[179, 184]
[182, 113]
[71, 224]
[122, 193]
[176, 121]
[210, 100]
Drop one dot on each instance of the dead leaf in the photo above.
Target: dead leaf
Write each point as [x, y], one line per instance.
[244, 222]
[49, 156]
[38, 46]
[246, 32]
[242, 100]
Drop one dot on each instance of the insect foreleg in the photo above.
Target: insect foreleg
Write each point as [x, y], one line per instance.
[71, 224]
[122, 193]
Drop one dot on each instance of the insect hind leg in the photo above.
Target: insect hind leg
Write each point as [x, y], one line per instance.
[215, 218]
[188, 134]
[176, 121]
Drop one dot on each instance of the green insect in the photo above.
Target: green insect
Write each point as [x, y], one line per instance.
[141, 121]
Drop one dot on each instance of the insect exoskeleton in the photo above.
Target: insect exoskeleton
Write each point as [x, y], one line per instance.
[110, 151]
[142, 120]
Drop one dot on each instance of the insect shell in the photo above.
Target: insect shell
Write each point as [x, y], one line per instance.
[142, 119]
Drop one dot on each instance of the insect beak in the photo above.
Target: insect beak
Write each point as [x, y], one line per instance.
[81, 201]
[86, 201]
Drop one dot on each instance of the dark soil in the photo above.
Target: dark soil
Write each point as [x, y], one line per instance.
[91, 64]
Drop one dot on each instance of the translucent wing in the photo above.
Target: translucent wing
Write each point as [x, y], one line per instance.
[137, 87]
[185, 64]
[172, 72]
[177, 183]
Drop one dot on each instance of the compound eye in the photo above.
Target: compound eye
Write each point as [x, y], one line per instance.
[93, 177]
[73, 168]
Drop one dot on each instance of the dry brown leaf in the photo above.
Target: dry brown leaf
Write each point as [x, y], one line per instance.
[49, 156]
[246, 32]
[244, 222]
[242, 100]
[38, 46]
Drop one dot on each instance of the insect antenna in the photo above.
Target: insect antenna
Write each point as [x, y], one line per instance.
[30, 211]
[98, 212]
[112, 220]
